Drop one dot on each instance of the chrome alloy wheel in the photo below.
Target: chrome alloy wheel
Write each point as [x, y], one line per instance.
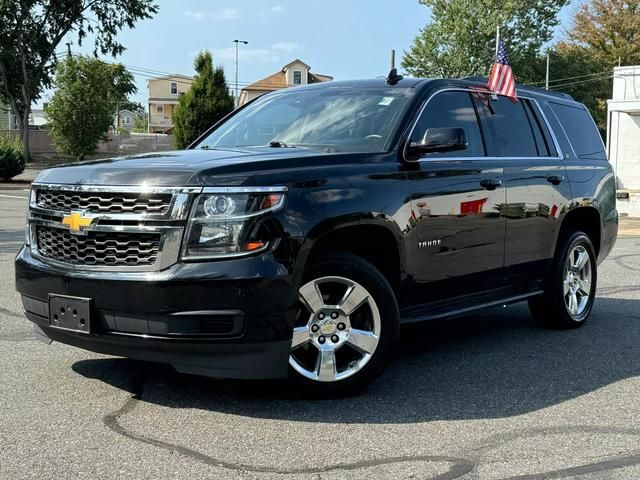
[577, 280]
[337, 329]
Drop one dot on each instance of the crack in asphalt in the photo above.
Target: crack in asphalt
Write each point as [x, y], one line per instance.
[620, 260]
[459, 466]
[10, 313]
[610, 464]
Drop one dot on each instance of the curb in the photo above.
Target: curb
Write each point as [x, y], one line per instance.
[15, 186]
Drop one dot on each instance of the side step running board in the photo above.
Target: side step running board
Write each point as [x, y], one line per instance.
[462, 305]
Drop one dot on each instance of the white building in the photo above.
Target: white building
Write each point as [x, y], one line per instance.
[623, 137]
[623, 132]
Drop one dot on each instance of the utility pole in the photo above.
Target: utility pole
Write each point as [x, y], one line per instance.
[244, 42]
[546, 83]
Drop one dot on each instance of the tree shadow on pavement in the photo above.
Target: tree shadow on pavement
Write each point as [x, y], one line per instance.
[491, 365]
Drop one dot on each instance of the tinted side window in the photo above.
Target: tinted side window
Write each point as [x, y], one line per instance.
[508, 129]
[583, 134]
[541, 144]
[452, 109]
[540, 131]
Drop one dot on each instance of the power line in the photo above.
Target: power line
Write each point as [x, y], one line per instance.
[557, 80]
[150, 73]
[555, 87]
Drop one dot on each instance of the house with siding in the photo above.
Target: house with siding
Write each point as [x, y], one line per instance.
[164, 93]
[292, 74]
[5, 117]
[126, 119]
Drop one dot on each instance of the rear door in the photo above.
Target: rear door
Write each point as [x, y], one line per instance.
[537, 190]
[457, 230]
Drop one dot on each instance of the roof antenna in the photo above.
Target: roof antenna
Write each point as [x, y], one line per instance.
[393, 76]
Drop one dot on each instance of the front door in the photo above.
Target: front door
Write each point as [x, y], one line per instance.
[457, 197]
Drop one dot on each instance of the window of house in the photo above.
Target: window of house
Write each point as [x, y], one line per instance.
[174, 88]
[455, 110]
[126, 120]
[159, 109]
[297, 77]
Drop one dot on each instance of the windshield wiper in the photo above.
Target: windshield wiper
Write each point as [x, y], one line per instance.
[279, 144]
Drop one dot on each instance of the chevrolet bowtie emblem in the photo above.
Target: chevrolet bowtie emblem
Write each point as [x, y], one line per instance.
[76, 222]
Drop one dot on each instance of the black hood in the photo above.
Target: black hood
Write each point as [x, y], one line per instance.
[179, 168]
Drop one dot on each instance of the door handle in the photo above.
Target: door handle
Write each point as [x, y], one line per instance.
[555, 179]
[490, 183]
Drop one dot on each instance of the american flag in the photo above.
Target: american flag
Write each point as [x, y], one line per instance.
[501, 80]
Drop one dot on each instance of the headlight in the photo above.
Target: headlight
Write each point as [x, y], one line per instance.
[226, 222]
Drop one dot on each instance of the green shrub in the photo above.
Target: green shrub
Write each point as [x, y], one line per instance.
[11, 159]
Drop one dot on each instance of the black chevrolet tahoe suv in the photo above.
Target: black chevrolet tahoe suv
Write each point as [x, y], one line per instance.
[299, 233]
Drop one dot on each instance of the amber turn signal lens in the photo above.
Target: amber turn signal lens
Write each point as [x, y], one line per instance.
[254, 246]
[271, 200]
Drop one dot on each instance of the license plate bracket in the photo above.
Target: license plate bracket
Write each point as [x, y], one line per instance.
[70, 313]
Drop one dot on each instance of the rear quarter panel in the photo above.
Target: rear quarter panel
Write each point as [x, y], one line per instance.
[592, 183]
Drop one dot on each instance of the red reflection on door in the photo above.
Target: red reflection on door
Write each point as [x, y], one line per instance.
[472, 207]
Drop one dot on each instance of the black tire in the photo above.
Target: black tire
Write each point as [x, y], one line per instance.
[345, 265]
[551, 308]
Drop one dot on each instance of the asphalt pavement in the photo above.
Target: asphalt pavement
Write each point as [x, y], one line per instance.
[488, 396]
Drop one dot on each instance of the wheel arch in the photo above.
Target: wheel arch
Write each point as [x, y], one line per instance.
[375, 238]
[586, 219]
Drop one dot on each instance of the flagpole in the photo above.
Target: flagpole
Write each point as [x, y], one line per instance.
[497, 39]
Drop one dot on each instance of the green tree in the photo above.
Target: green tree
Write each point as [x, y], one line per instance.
[11, 159]
[603, 34]
[610, 29]
[31, 31]
[141, 122]
[82, 108]
[460, 39]
[206, 102]
[576, 71]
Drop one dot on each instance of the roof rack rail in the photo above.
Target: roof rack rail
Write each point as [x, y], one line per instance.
[523, 86]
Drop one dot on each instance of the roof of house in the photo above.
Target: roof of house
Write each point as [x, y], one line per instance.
[169, 77]
[297, 60]
[124, 110]
[279, 79]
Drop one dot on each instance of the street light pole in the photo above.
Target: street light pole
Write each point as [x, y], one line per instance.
[244, 42]
[546, 82]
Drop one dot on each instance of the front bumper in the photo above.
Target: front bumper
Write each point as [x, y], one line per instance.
[228, 319]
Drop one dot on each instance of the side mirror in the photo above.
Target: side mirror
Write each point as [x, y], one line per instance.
[438, 140]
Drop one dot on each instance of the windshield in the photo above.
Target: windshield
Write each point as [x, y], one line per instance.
[337, 119]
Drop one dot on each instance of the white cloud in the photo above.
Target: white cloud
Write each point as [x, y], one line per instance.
[246, 54]
[277, 9]
[277, 52]
[285, 47]
[224, 14]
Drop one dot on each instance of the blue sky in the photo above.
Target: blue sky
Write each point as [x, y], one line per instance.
[342, 38]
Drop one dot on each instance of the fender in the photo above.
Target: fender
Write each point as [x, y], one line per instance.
[344, 222]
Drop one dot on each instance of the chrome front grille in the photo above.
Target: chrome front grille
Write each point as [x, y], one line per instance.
[104, 202]
[98, 248]
[124, 228]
